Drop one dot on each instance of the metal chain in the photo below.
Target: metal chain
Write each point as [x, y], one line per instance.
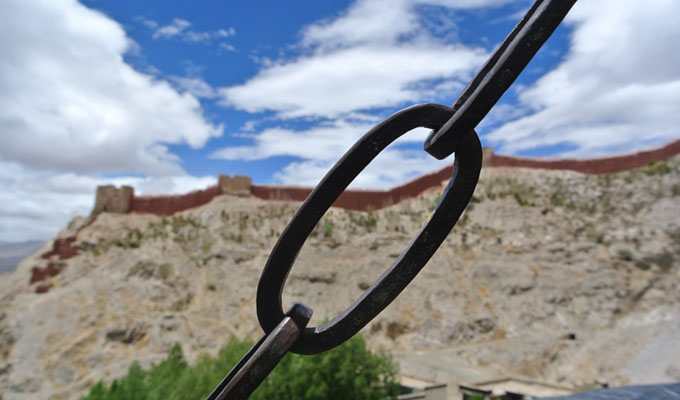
[452, 132]
[254, 367]
[406, 266]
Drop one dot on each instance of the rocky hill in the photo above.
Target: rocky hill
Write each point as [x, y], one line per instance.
[554, 275]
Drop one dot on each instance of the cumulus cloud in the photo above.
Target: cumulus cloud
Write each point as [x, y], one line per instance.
[352, 79]
[617, 90]
[72, 111]
[381, 21]
[377, 54]
[68, 101]
[374, 21]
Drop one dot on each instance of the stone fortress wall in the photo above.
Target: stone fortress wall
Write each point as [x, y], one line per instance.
[123, 200]
[606, 165]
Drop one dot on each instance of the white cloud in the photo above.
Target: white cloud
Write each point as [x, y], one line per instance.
[197, 37]
[330, 141]
[225, 32]
[69, 102]
[392, 167]
[180, 184]
[149, 23]
[380, 21]
[366, 21]
[195, 86]
[37, 204]
[352, 79]
[180, 28]
[467, 4]
[72, 110]
[226, 47]
[177, 26]
[617, 90]
[377, 54]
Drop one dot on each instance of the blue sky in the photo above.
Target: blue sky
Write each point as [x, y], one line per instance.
[165, 95]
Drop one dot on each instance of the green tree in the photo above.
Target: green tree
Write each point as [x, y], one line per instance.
[350, 371]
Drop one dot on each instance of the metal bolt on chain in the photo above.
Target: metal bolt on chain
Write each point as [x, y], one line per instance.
[452, 132]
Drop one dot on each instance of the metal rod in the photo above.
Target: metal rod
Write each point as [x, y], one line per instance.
[261, 359]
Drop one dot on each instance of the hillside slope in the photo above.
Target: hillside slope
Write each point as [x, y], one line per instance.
[554, 275]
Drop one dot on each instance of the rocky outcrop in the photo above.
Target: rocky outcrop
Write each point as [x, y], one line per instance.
[62, 248]
[554, 275]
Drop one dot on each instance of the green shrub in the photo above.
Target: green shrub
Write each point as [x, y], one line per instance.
[165, 270]
[132, 240]
[350, 371]
[657, 168]
[624, 255]
[368, 220]
[328, 230]
[557, 199]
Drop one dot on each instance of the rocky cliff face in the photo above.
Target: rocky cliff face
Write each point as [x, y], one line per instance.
[550, 274]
